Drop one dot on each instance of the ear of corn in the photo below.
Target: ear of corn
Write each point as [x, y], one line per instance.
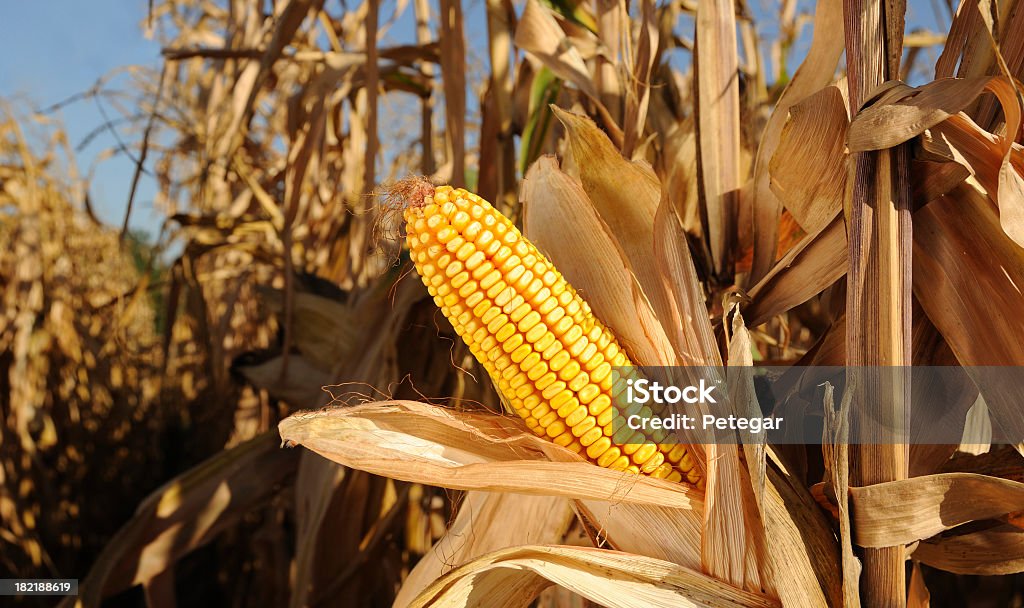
[549, 357]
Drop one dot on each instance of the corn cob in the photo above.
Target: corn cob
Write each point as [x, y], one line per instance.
[549, 356]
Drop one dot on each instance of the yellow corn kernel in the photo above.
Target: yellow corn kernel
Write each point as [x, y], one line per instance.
[536, 337]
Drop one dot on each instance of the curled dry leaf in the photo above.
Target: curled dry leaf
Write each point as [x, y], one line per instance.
[817, 71]
[996, 166]
[428, 444]
[808, 169]
[514, 577]
[816, 262]
[901, 512]
[996, 550]
[907, 112]
[539, 34]
[936, 110]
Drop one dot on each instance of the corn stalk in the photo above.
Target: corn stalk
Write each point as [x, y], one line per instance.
[879, 278]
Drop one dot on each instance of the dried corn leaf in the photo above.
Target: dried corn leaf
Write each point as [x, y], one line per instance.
[718, 125]
[468, 451]
[949, 401]
[677, 172]
[968, 276]
[659, 532]
[932, 179]
[752, 478]
[625, 194]
[342, 514]
[488, 521]
[813, 264]
[639, 91]
[685, 318]
[278, 31]
[997, 167]
[817, 71]
[745, 403]
[996, 550]
[958, 33]
[803, 551]
[185, 514]
[836, 453]
[724, 537]
[808, 169]
[1003, 462]
[917, 595]
[323, 329]
[538, 33]
[977, 437]
[906, 112]
[453, 76]
[300, 386]
[731, 514]
[612, 28]
[315, 490]
[937, 108]
[901, 512]
[514, 577]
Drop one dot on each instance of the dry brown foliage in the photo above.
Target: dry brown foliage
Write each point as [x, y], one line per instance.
[714, 209]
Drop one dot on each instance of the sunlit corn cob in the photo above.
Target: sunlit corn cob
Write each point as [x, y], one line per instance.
[550, 358]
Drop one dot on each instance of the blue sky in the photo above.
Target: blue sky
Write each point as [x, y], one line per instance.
[51, 50]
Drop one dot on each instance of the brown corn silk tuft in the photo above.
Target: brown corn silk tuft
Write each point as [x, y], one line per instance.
[411, 191]
[550, 358]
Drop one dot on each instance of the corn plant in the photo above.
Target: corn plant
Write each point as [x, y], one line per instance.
[606, 184]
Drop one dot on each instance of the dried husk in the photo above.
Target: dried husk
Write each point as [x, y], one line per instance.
[513, 577]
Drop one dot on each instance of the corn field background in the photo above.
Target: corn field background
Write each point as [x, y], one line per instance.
[724, 183]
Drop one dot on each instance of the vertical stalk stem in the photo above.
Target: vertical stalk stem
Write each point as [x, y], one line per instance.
[879, 282]
[372, 82]
[423, 37]
[500, 16]
[453, 75]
